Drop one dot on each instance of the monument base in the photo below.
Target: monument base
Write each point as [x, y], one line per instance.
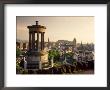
[37, 60]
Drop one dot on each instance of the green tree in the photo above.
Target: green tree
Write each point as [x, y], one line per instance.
[55, 54]
[18, 52]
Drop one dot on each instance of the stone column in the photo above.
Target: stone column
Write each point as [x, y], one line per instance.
[33, 40]
[29, 41]
[43, 41]
[37, 44]
[40, 65]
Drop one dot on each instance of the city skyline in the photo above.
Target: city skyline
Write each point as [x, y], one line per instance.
[59, 28]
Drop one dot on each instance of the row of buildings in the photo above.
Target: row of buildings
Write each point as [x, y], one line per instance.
[81, 51]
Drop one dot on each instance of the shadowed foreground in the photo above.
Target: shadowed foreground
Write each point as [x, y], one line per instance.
[79, 68]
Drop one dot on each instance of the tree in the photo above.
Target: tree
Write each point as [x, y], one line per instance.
[55, 54]
[18, 52]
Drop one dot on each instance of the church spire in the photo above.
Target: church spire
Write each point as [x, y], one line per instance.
[74, 42]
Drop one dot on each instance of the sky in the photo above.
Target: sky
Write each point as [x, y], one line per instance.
[59, 27]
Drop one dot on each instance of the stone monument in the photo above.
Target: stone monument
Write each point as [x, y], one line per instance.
[37, 55]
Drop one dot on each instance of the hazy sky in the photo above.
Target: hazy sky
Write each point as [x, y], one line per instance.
[59, 28]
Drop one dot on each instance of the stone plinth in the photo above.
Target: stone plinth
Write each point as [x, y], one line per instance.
[35, 59]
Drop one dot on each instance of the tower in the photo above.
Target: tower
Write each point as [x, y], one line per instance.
[36, 54]
[74, 45]
[74, 42]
